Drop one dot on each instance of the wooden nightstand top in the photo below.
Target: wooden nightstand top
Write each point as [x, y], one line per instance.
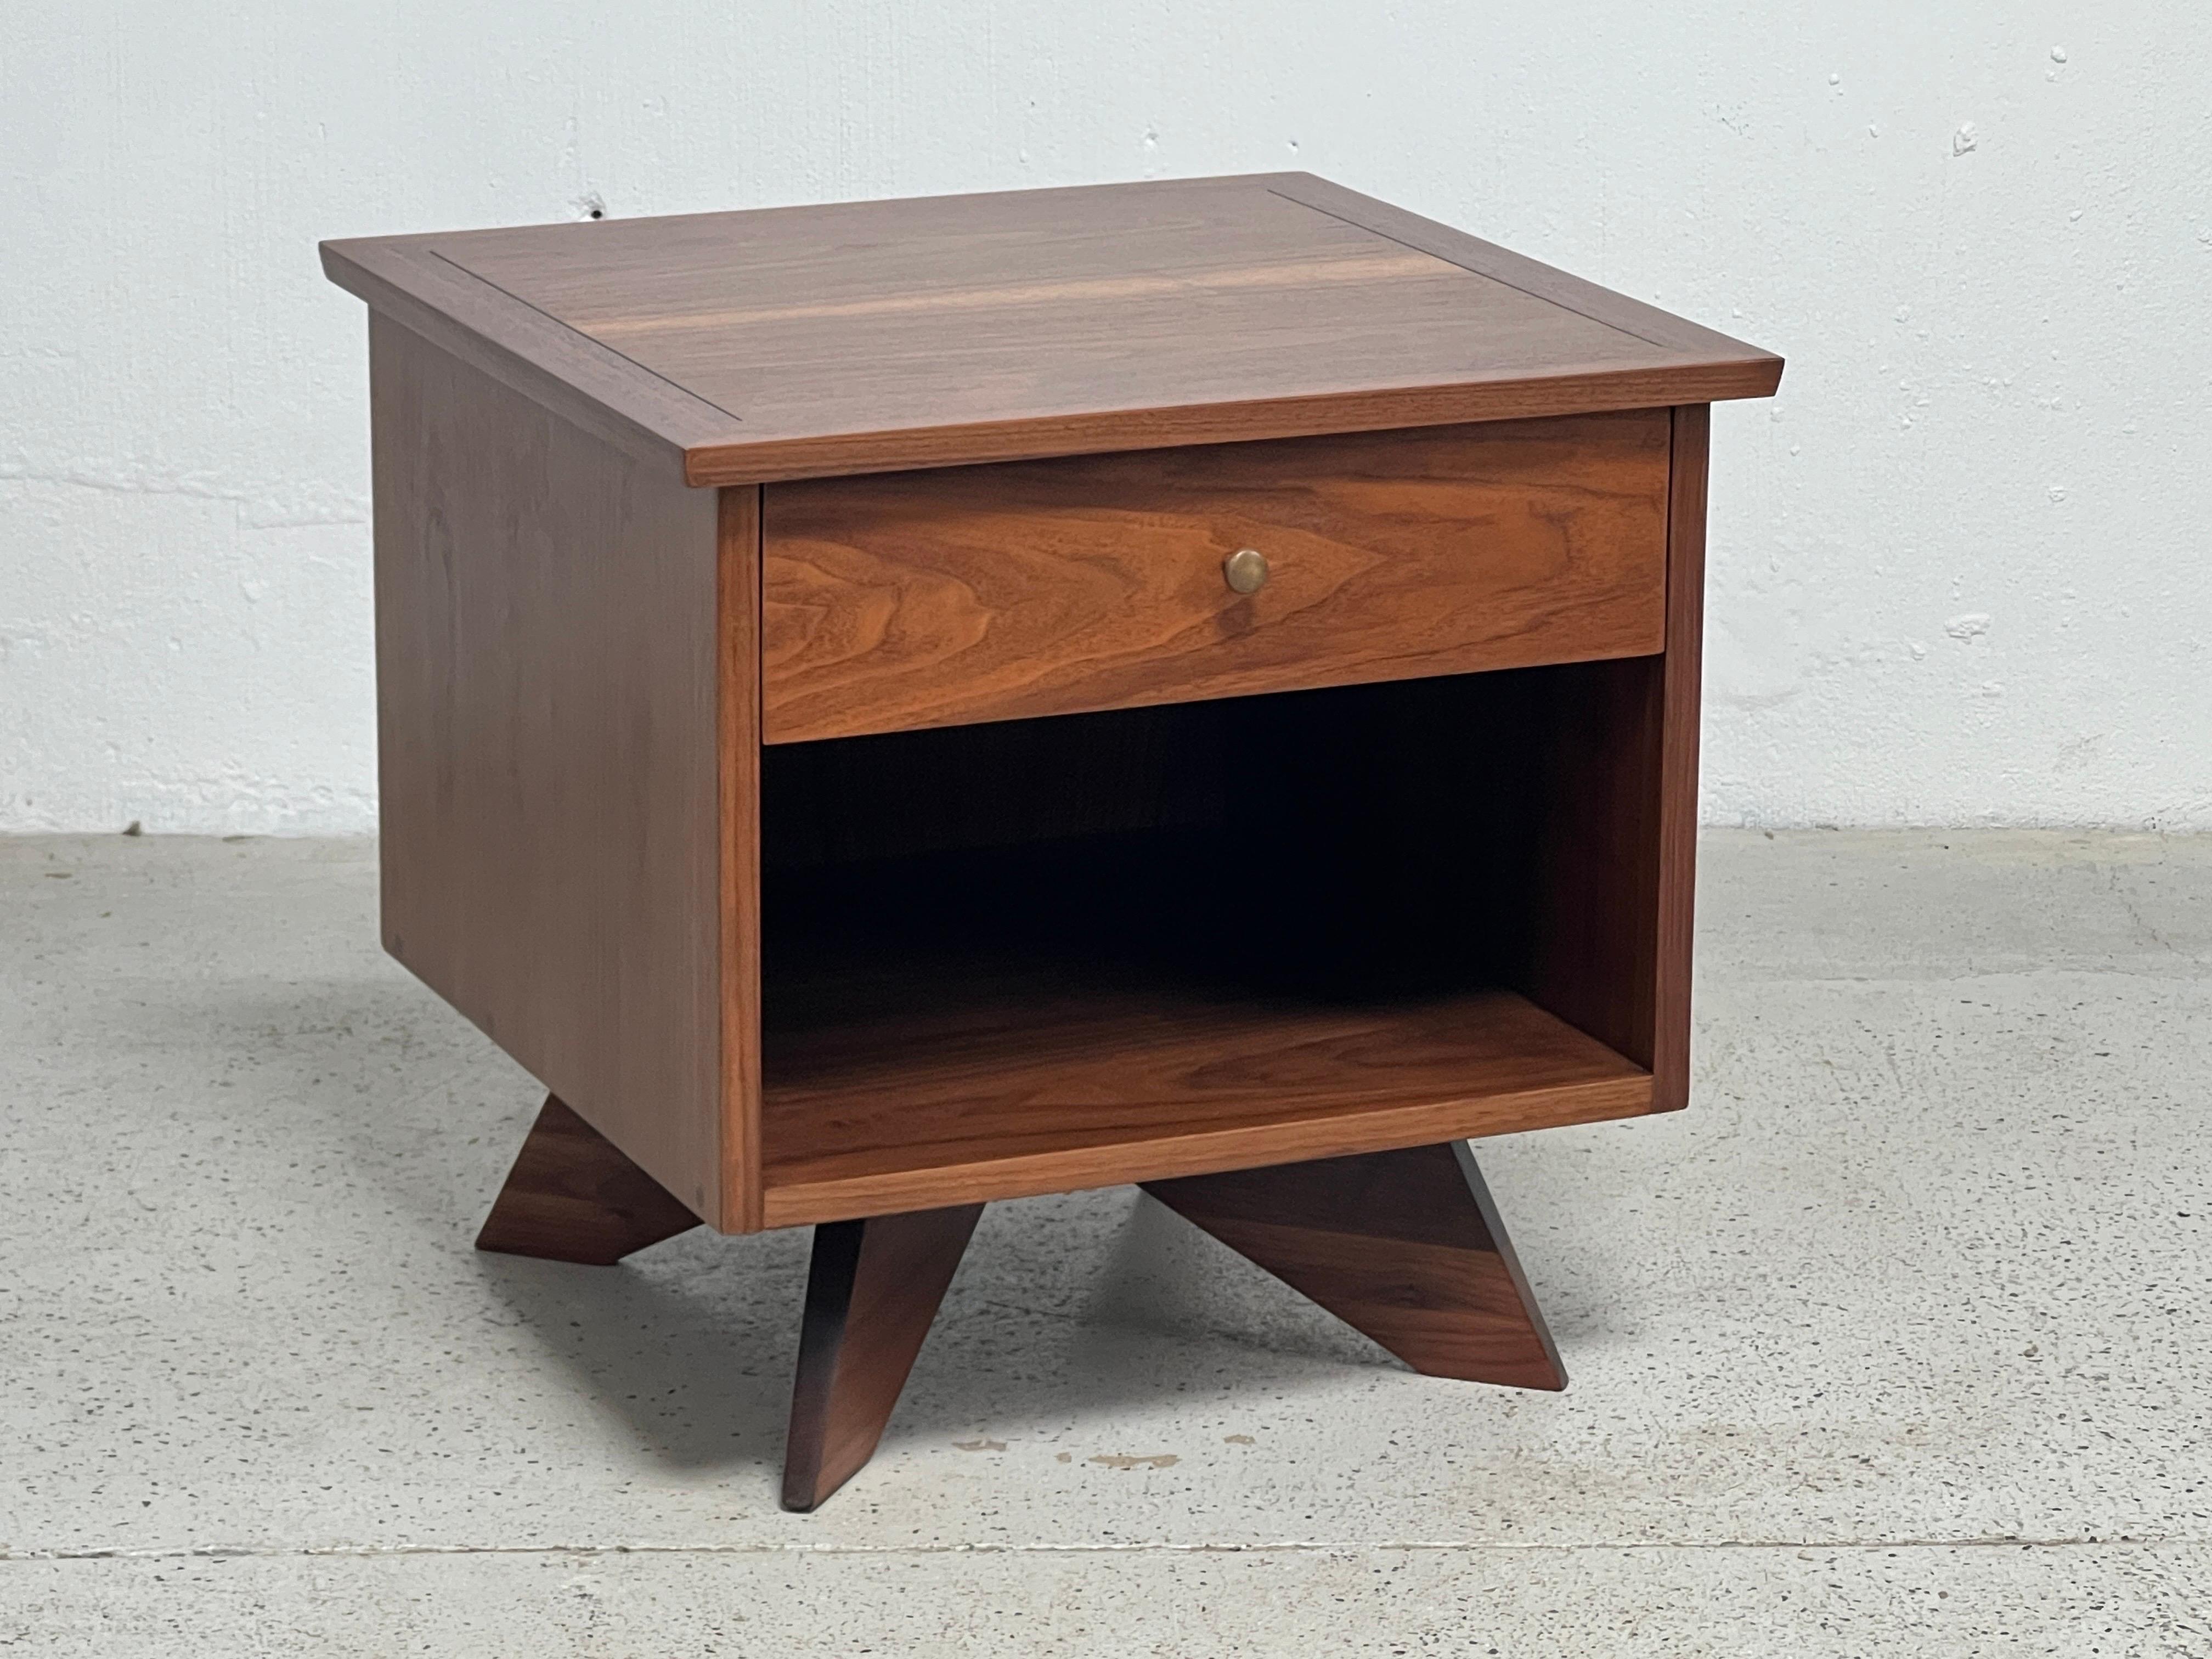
[880, 336]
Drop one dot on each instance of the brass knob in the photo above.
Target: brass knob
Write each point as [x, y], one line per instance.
[1245, 570]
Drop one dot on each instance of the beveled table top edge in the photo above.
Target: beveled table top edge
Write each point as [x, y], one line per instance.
[409, 279]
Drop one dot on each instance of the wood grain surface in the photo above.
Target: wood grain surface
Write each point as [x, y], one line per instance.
[570, 374]
[1518, 271]
[572, 1196]
[871, 1291]
[1003, 1086]
[1405, 1246]
[548, 741]
[865, 336]
[1047, 588]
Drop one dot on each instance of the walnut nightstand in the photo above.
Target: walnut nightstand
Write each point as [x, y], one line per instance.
[890, 706]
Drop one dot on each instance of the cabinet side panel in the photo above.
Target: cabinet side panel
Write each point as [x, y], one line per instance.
[547, 731]
[738, 638]
[1592, 929]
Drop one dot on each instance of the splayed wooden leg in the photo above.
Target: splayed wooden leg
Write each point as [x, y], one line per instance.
[1405, 1246]
[573, 1197]
[873, 1289]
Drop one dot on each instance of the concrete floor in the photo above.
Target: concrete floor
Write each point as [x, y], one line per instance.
[1898, 1342]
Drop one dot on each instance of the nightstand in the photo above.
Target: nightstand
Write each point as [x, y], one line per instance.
[891, 706]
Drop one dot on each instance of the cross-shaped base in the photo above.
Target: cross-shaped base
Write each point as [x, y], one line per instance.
[1405, 1246]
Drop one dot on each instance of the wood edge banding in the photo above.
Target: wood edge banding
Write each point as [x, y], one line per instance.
[737, 598]
[1594, 391]
[1680, 713]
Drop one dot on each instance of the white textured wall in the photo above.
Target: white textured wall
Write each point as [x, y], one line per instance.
[1961, 568]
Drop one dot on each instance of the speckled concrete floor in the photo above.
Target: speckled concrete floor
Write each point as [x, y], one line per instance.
[1898, 1342]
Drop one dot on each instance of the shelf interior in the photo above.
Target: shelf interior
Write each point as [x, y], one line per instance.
[1056, 953]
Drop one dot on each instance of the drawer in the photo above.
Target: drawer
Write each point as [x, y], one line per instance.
[912, 599]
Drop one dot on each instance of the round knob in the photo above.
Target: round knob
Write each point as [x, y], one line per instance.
[1245, 570]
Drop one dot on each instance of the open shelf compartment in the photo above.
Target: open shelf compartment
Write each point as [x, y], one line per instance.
[1038, 955]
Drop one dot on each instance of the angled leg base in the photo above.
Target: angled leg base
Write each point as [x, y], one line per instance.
[573, 1197]
[1406, 1246]
[873, 1289]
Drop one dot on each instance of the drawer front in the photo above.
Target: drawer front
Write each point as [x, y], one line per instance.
[1051, 587]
